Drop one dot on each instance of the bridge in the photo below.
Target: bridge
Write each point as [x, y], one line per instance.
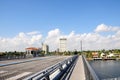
[47, 68]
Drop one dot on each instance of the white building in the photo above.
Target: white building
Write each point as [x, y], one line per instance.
[102, 55]
[45, 48]
[110, 55]
[63, 43]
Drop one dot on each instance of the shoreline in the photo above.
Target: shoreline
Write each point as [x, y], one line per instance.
[104, 59]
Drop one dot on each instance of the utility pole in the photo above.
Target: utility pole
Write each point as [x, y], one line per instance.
[81, 45]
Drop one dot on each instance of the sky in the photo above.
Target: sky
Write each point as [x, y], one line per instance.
[25, 23]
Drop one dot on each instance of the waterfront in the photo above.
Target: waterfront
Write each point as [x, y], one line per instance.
[106, 69]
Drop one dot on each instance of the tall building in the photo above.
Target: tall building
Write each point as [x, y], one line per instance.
[45, 48]
[63, 43]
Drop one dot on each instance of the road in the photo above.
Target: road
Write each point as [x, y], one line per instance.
[24, 69]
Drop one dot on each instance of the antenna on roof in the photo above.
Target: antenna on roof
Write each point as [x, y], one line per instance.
[42, 43]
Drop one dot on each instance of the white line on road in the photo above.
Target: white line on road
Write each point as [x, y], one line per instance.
[19, 76]
[1, 72]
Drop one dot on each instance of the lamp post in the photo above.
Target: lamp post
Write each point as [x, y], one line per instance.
[81, 46]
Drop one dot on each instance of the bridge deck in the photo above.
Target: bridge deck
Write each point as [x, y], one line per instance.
[78, 72]
[27, 67]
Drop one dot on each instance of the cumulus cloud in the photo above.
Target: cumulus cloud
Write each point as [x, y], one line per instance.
[52, 39]
[33, 33]
[105, 28]
[20, 42]
[91, 41]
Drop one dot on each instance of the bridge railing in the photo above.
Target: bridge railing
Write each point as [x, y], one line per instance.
[90, 73]
[54, 72]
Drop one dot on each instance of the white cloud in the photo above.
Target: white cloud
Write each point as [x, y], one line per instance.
[54, 33]
[101, 28]
[105, 28]
[91, 41]
[53, 39]
[20, 42]
[33, 33]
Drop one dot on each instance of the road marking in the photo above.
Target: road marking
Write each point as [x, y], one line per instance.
[1, 72]
[19, 76]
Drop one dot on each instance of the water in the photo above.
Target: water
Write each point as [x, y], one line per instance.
[106, 69]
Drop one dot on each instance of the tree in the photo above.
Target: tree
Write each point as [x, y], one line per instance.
[75, 53]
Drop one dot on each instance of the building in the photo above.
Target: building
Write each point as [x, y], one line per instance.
[63, 43]
[32, 51]
[110, 55]
[103, 55]
[95, 54]
[45, 48]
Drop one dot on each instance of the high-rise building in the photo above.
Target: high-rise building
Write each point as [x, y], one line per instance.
[45, 48]
[63, 43]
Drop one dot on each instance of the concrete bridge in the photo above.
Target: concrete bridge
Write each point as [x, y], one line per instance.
[47, 68]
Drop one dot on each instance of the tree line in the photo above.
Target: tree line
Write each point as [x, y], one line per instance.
[12, 55]
[21, 55]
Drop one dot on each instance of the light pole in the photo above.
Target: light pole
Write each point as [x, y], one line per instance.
[81, 45]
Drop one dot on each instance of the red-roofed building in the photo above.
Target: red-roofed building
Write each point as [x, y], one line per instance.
[32, 48]
[95, 54]
[33, 51]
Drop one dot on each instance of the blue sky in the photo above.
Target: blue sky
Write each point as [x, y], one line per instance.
[25, 23]
[81, 16]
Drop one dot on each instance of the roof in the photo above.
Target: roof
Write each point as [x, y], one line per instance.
[33, 48]
[94, 53]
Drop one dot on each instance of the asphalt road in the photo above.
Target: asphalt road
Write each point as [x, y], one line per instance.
[26, 67]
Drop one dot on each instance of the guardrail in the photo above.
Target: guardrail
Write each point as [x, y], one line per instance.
[54, 72]
[90, 74]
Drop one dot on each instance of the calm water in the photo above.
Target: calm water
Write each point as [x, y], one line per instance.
[106, 69]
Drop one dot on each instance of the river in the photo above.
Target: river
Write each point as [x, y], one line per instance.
[106, 69]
